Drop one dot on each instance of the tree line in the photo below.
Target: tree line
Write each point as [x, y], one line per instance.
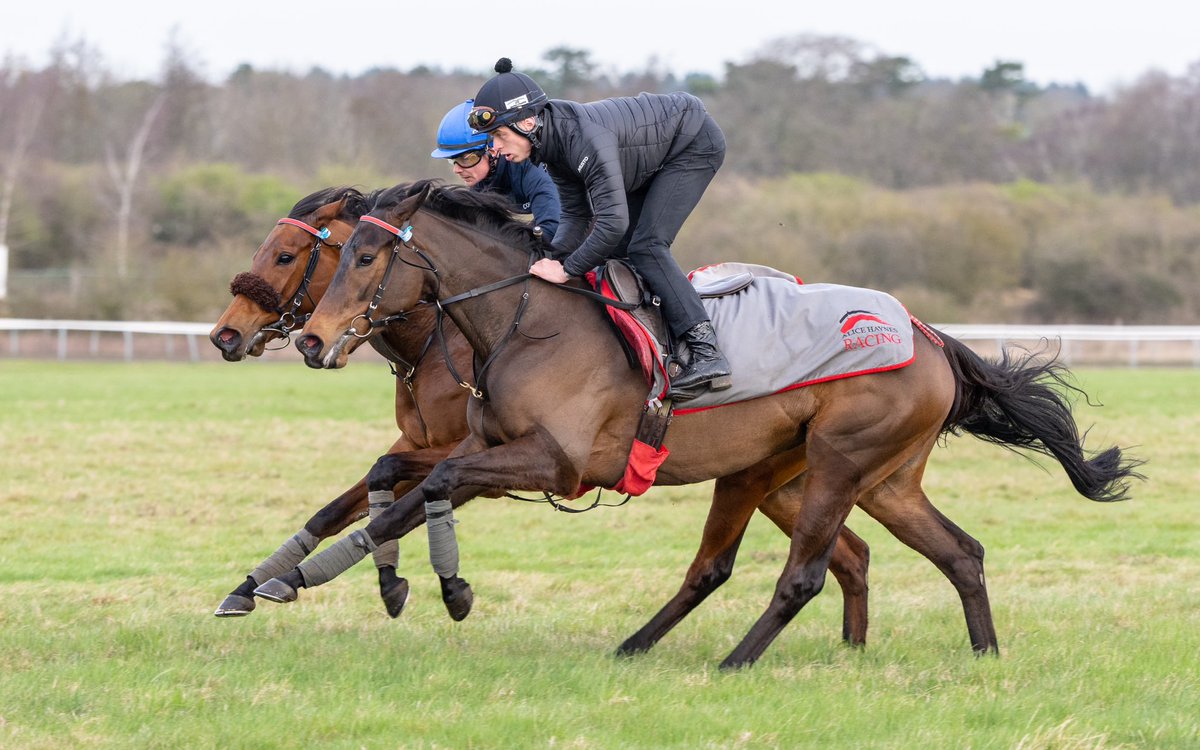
[984, 199]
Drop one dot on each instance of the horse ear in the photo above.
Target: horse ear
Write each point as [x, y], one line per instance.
[409, 205]
[341, 204]
[330, 211]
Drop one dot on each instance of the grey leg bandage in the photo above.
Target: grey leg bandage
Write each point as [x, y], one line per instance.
[289, 554]
[336, 559]
[387, 555]
[443, 544]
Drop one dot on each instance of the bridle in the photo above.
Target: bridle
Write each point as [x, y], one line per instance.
[288, 321]
[404, 240]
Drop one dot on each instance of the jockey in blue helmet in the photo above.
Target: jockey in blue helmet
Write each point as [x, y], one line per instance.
[526, 185]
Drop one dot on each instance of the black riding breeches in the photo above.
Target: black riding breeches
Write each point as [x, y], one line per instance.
[656, 212]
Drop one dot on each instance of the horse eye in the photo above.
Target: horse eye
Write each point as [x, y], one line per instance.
[366, 260]
[284, 259]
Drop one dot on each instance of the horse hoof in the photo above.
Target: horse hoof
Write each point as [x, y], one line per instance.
[235, 605]
[458, 597]
[277, 591]
[395, 598]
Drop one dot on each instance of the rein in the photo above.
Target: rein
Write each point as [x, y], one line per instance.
[404, 239]
[288, 321]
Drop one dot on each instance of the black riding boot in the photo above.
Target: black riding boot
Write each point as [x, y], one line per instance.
[706, 367]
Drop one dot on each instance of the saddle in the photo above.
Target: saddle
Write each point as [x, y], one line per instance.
[642, 330]
[643, 336]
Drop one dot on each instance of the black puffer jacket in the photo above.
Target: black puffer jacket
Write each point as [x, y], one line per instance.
[598, 153]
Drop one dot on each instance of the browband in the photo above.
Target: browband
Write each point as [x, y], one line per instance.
[321, 234]
[404, 234]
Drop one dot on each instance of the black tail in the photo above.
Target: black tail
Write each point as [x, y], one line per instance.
[1021, 403]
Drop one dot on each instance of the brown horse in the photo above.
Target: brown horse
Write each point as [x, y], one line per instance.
[558, 407]
[295, 263]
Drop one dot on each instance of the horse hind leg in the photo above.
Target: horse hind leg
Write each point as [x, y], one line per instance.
[849, 562]
[734, 499]
[830, 489]
[902, 507]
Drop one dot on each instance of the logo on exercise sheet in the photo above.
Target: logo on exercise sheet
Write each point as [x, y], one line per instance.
[863, 329]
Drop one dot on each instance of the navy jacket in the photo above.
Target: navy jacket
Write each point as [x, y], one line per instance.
[530, 187]
[600, 152]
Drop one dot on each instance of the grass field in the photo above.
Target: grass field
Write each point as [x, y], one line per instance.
[135, 496]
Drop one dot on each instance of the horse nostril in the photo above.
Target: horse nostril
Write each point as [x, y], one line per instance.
[309, 344]
[227, 339]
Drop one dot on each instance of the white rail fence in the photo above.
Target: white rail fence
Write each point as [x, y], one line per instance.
[1131, 346]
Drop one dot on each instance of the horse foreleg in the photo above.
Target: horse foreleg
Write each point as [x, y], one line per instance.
[404, 463]
[531, 462]
[394, 474]
[523, 464]
[335, 516]
[734, 499]
[902, 507]
[848, 564]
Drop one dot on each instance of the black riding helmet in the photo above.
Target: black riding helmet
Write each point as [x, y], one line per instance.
[505, 99]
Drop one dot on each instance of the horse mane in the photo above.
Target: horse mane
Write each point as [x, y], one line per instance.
[490, 212]
[356, 205]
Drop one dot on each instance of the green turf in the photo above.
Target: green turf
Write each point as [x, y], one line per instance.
[135, 496]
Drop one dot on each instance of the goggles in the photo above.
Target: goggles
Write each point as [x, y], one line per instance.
[469, 159]
[483, 119]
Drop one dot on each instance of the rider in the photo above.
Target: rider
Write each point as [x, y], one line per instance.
[525, 184]
[629, 170]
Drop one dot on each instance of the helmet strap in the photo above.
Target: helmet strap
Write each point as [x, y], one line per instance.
[532, 133]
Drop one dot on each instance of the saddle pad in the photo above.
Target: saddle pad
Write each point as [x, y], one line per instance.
[778, 335]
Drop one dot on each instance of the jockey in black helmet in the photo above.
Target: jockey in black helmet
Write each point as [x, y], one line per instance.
[629, 171]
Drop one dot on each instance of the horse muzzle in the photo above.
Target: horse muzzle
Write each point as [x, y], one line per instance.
[318, 356]
[229, 341]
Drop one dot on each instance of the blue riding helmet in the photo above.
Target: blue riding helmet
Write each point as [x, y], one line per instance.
[455, 137]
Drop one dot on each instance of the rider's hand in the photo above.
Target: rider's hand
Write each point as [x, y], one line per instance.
[550, 270]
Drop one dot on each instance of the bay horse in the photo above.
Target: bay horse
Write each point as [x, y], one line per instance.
[557, 407]
[295, 262]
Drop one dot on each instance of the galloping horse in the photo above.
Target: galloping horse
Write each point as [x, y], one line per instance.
[294, 262]
[558, 408]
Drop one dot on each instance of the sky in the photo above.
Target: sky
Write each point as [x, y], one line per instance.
[1102, 45]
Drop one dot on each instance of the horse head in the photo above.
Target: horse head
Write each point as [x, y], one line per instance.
[379, 273]
[288, 273]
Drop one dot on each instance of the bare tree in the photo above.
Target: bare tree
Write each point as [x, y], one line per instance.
[124, 173]
[24, 96]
